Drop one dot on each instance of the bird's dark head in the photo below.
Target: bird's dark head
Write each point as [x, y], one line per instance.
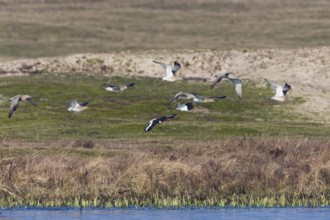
[176, 63]
[190, 105]
[130, 85]
[286, 88]
[286, 85]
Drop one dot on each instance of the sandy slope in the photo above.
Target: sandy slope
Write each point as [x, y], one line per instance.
[307, 69]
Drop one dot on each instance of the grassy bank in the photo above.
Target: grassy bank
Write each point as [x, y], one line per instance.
[124, 115]
[233, 152]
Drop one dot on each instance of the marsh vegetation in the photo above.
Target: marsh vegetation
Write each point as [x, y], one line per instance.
[236, 152]
[249, 152]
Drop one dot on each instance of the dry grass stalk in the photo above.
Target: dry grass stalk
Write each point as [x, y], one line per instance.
[243, 166]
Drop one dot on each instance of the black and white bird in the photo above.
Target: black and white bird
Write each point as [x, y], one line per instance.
[170, 72]
[219, 78]
[153, 122]
[185, 107]
[195, 97]
[236, 81]
[14, 101]
[117, 89]
[280, 91]
[77, 107]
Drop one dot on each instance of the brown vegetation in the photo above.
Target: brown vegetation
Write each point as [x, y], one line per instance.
[35, 28]
[195, 171]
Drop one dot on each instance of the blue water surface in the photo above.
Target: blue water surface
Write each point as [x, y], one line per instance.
[167, 213]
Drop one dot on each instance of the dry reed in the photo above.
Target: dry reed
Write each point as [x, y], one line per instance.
[240, 171]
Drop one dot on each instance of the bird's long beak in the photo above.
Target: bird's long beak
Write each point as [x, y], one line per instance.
[31, 101]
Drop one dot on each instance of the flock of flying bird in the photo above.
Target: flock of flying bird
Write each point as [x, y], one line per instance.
[171, 76]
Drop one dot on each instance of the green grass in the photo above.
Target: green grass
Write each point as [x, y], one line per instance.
[124, 116]
[160, 201]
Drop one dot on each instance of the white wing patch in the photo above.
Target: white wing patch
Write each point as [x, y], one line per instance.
[238, 88]
[150, 124]
[279, 91]
[168, 71]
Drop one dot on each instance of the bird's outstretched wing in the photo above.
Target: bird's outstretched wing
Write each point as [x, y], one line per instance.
[238, 86]
[30, 100]
[151, 124]
[218, 97]
[276, 87]
[112, 88]
[179, 95]
[73, 103]
[167, 68]
[164, 118]
[170, 116]
[13, 105]
[83, 103]
[198, 96]
[219, 78]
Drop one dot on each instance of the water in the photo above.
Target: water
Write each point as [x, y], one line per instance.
[162, 214]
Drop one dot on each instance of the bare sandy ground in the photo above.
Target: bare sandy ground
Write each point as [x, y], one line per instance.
[306, 69]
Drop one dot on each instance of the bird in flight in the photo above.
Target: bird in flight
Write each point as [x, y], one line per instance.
[77, 107]
[14, 101]
[170, 72]
[206, 99]
[153, 122]
[238, 86]
[236, 81]
[119, 88]
[195, 97]
[219, 78]
[183, 95]
[280, 91]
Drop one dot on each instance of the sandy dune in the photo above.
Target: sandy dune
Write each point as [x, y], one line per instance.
[307, 69]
